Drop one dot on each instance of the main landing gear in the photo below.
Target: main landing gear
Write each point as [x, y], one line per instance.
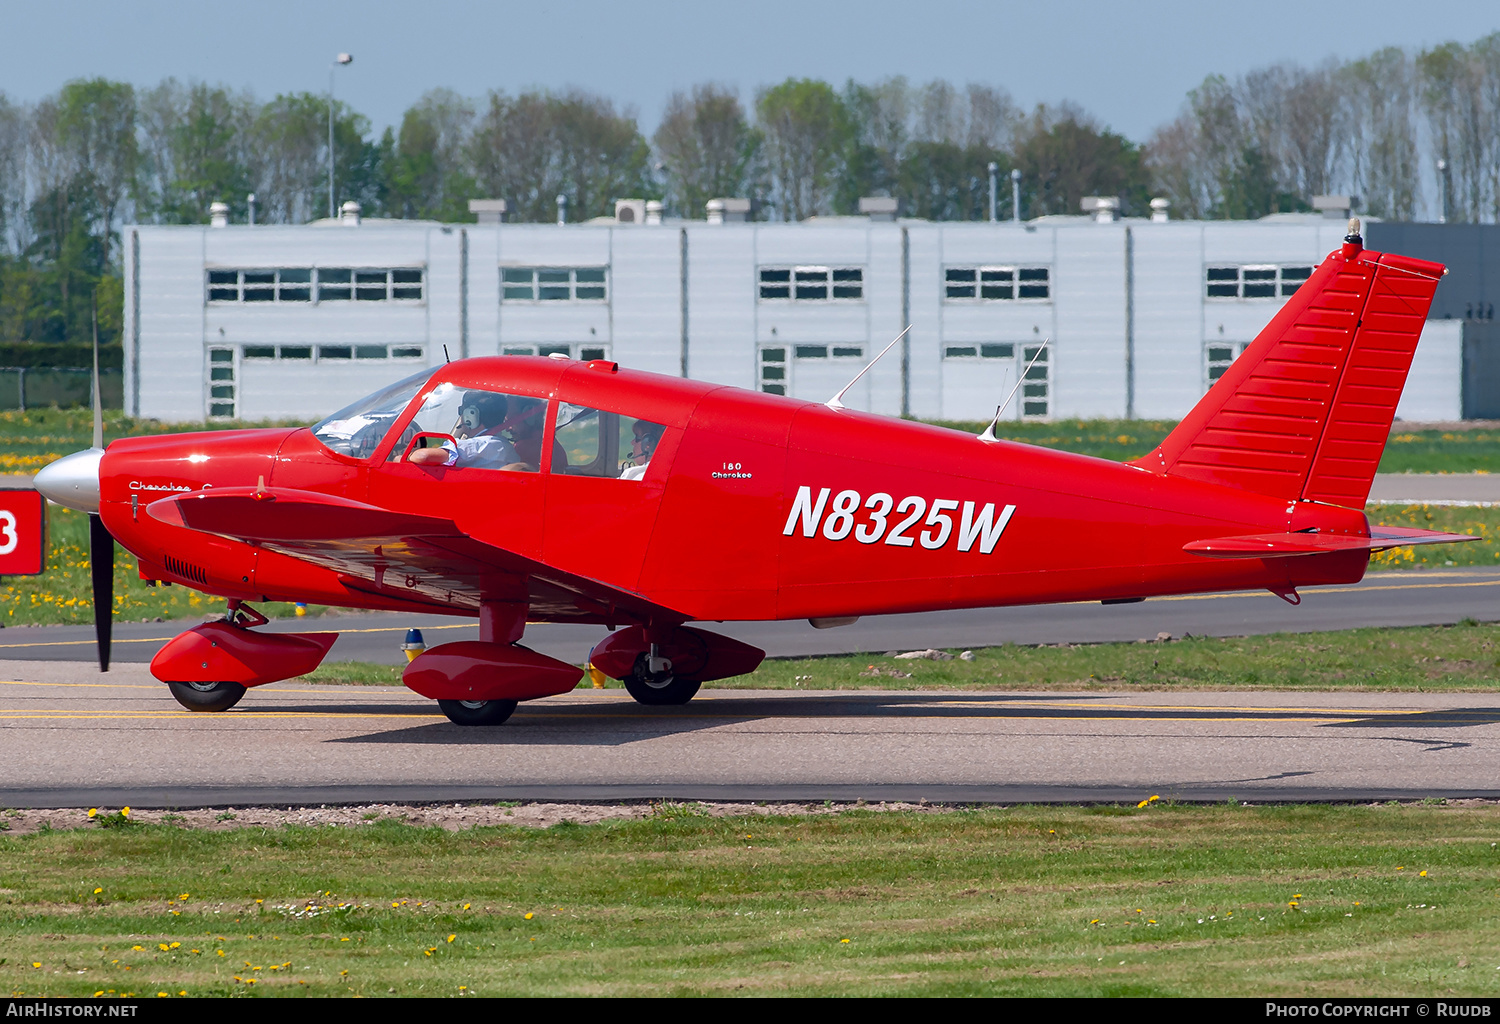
[477, 712]
[652, 682]
[220, 696]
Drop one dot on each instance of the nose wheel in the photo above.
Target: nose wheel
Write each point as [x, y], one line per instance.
[651, 682]
[207, 696]
[477, 712]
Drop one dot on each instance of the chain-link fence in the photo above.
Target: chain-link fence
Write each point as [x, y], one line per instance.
[38, 388]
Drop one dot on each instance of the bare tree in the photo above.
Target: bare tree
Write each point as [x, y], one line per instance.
[290, 174]
[1383, 156]
[707, 147]
[12, 174]
[95, 131]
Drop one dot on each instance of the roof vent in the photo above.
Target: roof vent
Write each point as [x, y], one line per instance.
[218, 215]
[728, 211]
[886, 208]
[1159, 208]
[1106, 209]
[349, 214]
[488, 211]
[653, 211]
[1335, 207]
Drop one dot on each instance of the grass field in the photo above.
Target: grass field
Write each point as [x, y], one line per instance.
[1154, 901]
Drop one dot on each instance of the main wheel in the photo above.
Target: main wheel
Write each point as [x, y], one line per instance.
[658, 689]
[477, 712]
[207, 696]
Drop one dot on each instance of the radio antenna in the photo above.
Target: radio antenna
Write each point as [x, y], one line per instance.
[446, 357]
[989, 431]
[834, 403]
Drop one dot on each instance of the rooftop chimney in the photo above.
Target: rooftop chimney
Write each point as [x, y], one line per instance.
[1159, 208]
[885, 208]
[349, 214]
[488, 211]
[1335, 207]
[728, 211]
[1106, 209]
[218, 215]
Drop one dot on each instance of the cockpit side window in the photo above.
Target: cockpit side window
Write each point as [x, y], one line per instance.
[594, 442]
[358, 429]
[475, 428]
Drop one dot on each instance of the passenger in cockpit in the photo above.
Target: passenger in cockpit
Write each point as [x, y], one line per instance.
[647, 436]
[479, 443]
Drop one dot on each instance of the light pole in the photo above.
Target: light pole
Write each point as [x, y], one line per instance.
[994, 169]
[1442, 166]
[338, 61]
[1015, 193]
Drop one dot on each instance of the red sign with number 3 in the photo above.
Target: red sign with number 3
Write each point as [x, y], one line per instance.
[23, 533]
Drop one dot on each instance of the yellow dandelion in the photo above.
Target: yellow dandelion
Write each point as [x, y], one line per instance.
[452, 937]
[344, 939]
[466, 906]
[36, 963]
[163, 946]
[1143, 803]
[529, 915]
[1421, 874]
[98, 891]
[124, 812]
[93, 812]
[176, 945]
[845, 941]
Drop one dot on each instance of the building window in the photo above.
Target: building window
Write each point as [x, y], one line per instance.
[829, 351]
[996, 284]
[369, 284]
[988, 350]
[1036, 385]
[553, 284]
[812, 284]
[773, 367]
[330, 353]
[1220, 355]
[221, 384]
[584, 351]
[298, 284]
[1254, 281]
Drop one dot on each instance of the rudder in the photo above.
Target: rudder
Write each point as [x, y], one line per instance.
[1305, 411]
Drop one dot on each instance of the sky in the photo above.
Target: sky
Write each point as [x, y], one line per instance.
[1129, 64]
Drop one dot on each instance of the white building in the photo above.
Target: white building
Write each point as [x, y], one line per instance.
[1139, 317]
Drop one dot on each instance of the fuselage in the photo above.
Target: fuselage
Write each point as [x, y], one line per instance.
[752, 507]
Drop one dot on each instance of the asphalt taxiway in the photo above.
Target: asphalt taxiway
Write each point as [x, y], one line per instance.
[70, 740]
[1416, 598]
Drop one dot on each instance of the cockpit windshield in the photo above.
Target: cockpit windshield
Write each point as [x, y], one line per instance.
[357, 430]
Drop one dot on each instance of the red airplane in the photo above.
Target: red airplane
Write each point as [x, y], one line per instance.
[541, 489]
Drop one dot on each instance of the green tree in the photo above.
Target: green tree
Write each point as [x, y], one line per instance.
[1064, 156]
[425, 170]
[807, 131]
[95, 134]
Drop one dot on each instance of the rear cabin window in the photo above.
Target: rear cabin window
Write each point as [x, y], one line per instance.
[595, 442]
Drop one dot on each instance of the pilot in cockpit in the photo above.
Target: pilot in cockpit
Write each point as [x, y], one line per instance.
[478, 441]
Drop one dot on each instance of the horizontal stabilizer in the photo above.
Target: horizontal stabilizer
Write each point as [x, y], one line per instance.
[1288, 545]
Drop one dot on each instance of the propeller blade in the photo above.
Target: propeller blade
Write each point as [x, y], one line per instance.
[102, 575]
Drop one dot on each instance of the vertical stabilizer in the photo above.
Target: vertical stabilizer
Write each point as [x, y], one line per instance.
[1305, 411]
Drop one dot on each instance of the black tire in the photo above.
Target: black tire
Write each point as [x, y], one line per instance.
[658, 690]
[207, 696]
[477, 712]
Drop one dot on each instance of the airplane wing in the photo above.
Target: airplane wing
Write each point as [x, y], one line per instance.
[1287, 545]
[418, 558]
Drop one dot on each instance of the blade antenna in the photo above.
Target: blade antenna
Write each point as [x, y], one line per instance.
[989, 432]
[98, 405]
[834, 402]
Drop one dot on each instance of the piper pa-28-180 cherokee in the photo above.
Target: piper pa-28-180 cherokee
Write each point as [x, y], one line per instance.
[516, 489]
